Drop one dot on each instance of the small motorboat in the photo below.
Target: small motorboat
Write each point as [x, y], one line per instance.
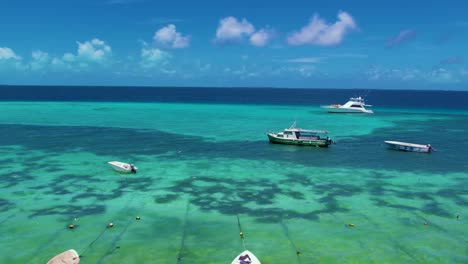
[123, 167]
[67, 257]
[246, 257]
[404, 146]
[354, 105]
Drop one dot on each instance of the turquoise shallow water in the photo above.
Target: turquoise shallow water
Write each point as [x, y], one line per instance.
[202, 165]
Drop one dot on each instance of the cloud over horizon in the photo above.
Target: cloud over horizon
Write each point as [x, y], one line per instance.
[169, 37]
[232, 30]
[152, 57]
[318, 32]
[8, 54]
[402, 37]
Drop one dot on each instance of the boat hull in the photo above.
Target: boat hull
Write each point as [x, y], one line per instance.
[340, 110]
[253, 258]
[121, 167]
[315, 143]
[403, 146]
[68, 257]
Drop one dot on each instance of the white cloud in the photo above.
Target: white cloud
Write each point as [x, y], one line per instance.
[437, 75]
[40, 60]
[7, 54]
[68, 57]
[230, 29]
[260, 38]
[151, 57]
[169, 37]
[318, 32]
[306, 60]
[441, 75]
[95, 50]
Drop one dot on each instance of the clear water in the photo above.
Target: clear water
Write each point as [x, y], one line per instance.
[203, 164]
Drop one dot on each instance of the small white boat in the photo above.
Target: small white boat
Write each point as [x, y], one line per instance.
[246, 257]
[68, 257]
[123, 167]
[354, 105]
[404, 146]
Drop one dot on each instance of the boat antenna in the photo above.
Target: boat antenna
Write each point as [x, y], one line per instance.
[293, 124]
[241, 234]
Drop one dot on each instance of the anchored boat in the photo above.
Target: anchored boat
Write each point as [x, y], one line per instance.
[301, 137]
[123, 167]
[68, 257]
[354, 105]
[246, 257]
[404, 146]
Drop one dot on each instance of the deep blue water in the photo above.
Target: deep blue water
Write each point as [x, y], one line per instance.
[380, 98]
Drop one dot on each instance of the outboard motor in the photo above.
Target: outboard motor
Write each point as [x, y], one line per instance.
[132, 168]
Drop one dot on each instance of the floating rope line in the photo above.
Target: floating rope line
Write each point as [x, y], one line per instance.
[184, 234]
[286, 233]
[110, 225]
[241, 234]
[92, 242]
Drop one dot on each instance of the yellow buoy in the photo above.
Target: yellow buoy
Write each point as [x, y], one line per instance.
[351, 225]
[71, 226]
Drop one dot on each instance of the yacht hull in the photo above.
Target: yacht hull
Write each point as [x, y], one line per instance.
[348, 110]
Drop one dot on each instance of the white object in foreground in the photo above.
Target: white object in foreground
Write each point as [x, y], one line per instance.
[68, 257]
[122, 167]
[404, 146]
[246, 257]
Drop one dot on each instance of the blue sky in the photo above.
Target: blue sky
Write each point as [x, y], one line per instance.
[308, 44]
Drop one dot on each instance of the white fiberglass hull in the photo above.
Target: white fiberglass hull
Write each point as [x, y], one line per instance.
[121, 166]
[404, 146]
[348, 110]
[68, 257]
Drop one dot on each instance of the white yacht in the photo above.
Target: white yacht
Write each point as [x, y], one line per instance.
[354, 105]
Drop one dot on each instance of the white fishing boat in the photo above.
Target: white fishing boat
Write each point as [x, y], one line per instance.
[246, 257]
[67, 257]
[404, 146]
[354, 105]
[123, 167]
[301, 137]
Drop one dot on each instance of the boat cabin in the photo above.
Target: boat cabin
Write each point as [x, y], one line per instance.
[300, 134]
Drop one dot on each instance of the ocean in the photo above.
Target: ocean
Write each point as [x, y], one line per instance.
[206, 172]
